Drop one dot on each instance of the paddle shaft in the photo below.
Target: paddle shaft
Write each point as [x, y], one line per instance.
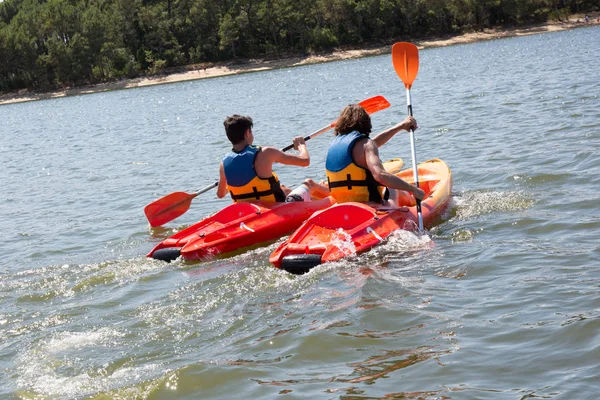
[371, 105]
[206, 189]
[286, 148]
[307, 138]
[414, 158]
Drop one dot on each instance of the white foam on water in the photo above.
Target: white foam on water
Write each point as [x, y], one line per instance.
[67, 280]
[474, 203]
[343, 241]
[76, 364]
[408, 240]
[77, 340]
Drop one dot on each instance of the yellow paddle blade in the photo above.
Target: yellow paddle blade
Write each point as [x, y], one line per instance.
[405, 57]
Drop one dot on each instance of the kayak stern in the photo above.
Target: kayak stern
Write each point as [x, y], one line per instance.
[351, 228]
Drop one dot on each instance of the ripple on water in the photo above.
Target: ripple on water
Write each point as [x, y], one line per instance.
[500, 301]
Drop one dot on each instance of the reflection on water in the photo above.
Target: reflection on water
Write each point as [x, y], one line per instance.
[382, 366]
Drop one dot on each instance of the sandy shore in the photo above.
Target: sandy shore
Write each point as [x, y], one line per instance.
[215, 70]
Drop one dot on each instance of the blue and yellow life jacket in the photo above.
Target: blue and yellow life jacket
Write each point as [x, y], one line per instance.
[242, 181]
[348, 181]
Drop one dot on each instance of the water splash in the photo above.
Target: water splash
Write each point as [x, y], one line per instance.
[67, 280]
[74, 364]
[472, 204]
[343, 241]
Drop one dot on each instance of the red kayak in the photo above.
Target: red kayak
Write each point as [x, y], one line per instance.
[352, 228]
[242, 225]
[236, 226]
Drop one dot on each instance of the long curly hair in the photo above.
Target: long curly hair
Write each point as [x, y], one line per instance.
[353, 118]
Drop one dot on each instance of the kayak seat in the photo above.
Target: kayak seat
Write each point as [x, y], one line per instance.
[427, 185]
[345, 216]
[235, 211]
[406, 199]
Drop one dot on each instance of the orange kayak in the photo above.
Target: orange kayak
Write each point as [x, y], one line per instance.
[352, 228]
[236, 226]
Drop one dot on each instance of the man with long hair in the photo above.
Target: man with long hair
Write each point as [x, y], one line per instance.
[355, 171]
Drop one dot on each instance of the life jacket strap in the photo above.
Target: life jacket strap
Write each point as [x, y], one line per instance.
[274, 190]
[255, 194]
[348, 182]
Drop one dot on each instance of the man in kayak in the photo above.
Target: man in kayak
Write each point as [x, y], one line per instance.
[246, 173]
[355, 171]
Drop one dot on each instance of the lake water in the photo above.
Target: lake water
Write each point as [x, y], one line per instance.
[502, 301]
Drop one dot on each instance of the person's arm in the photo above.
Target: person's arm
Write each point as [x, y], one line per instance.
[382, 138]
[302, 159]
[385, 178]
[222, 187]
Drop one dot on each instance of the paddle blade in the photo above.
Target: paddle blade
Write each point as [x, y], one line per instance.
[371, 105]
[405, 57]
[374, 104]
[168, 208]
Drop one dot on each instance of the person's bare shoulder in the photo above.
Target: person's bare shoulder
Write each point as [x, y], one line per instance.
[368, 145]
[361, 149]
[270, 153]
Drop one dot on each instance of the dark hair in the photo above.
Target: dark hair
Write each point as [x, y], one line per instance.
[236, 126]
[353, 118]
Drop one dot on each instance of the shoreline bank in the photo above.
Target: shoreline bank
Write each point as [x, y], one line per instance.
[224, 69]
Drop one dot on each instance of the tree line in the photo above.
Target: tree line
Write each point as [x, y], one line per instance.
[46, 44]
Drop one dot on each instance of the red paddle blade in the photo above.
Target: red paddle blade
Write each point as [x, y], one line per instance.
[405, 57]
[374, 104]
[168, 208]
[371, 105]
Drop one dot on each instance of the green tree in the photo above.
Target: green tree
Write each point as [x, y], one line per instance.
[46, 44]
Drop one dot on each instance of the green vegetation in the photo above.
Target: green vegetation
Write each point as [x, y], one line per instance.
[46, 44]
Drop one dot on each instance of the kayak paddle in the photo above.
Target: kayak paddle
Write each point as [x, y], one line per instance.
[173, 205]
[405, 57]
[371, 105]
